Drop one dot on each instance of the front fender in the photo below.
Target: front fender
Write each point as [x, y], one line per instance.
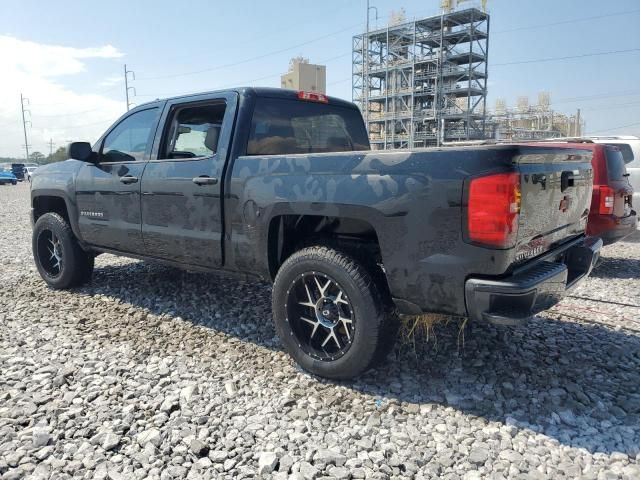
[58, 180]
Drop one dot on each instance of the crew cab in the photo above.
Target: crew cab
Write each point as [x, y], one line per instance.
[282, 186]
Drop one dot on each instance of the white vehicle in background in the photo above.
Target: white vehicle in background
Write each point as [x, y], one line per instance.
[630, 147]
[28, 171]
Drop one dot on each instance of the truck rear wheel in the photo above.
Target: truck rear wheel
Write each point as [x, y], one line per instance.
[329, 313]
[59, 258]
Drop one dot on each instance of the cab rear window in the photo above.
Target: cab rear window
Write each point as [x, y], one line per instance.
[282, 127]
[615, 164]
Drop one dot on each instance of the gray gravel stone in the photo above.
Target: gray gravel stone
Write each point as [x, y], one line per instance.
[137, 374]
[41, 437]
[152, 436]
[111, 441]
[267, 462]
[308, 471]
[329, 457]
[198, 447]
[478, 456]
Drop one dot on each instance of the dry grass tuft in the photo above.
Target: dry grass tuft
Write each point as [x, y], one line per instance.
[420, 329]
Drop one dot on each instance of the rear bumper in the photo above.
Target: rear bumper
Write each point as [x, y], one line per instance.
[620, 228]
[533, 288]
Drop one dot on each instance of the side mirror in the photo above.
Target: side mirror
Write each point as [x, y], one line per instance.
[80, 151]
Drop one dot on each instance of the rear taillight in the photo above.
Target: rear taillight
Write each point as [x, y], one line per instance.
[607, 197]
[493, 209]
[313, 97]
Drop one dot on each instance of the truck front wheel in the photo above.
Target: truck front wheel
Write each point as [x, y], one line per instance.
[59, 258]
[329, 313]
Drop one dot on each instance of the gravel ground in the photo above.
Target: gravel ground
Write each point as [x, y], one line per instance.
[153, 373]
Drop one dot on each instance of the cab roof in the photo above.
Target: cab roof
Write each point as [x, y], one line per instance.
[269, 92]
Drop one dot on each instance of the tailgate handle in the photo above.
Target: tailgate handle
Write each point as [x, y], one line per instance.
[566, 180]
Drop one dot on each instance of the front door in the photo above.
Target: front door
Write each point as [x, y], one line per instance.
[181, 187]
[108, 192]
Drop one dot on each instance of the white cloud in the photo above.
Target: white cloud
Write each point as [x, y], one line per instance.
[37, 71]
[111, 81]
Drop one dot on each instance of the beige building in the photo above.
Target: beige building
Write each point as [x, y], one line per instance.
[306, 76]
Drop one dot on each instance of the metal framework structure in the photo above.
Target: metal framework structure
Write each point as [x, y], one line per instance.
[533, 124]
[424, 82]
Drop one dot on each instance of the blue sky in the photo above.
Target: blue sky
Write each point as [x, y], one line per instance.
[68, 57]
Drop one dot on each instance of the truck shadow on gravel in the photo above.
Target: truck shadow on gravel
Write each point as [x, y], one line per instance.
[617, 267]
[576, 383]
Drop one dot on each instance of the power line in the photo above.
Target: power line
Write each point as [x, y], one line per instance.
[246, 82]
[616, 128]
[553, 59]
[564, 22]
[597, 97]
[96, 92]
[248, 60]
[68, 114]
[611, 107]
[100, 122]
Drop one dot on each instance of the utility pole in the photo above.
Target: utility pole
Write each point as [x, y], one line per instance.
[51, 144]
[126, 84]
[24, 123]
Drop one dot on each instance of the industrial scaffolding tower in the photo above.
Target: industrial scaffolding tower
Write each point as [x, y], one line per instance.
[424, 82]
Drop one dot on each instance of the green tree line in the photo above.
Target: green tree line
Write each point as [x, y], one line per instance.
[39, 157]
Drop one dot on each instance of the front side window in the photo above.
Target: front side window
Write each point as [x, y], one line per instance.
[281, 127]
[194, 131]
[128, 141]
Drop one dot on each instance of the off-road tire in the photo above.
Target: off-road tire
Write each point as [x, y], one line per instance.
[370, 342]
[77, 265]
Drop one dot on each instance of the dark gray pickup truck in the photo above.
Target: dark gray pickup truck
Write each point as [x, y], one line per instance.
[282, 186]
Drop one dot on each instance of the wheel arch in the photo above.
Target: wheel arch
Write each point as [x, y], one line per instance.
[55, 202]
[354, 235]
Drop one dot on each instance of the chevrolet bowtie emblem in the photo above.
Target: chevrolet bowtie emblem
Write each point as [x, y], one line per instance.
[565, 203]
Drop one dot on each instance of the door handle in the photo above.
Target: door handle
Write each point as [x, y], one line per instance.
[205, 180]
[127, 179]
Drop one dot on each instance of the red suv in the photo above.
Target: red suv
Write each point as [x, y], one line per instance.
[611, 216]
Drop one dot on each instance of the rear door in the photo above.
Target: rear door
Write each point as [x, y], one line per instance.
[618, 181]
[108, 192]
[631, 156]
[181, 186]
[556, 188]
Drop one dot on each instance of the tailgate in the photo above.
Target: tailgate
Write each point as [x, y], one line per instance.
[556, 186]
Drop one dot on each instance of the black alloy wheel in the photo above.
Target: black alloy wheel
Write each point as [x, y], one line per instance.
[320, 316]
[329, 313]
[50, 253]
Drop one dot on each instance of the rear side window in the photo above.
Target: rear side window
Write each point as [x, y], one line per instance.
[281, 127]
[194, 131]
[627, 152]
[615, 164]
